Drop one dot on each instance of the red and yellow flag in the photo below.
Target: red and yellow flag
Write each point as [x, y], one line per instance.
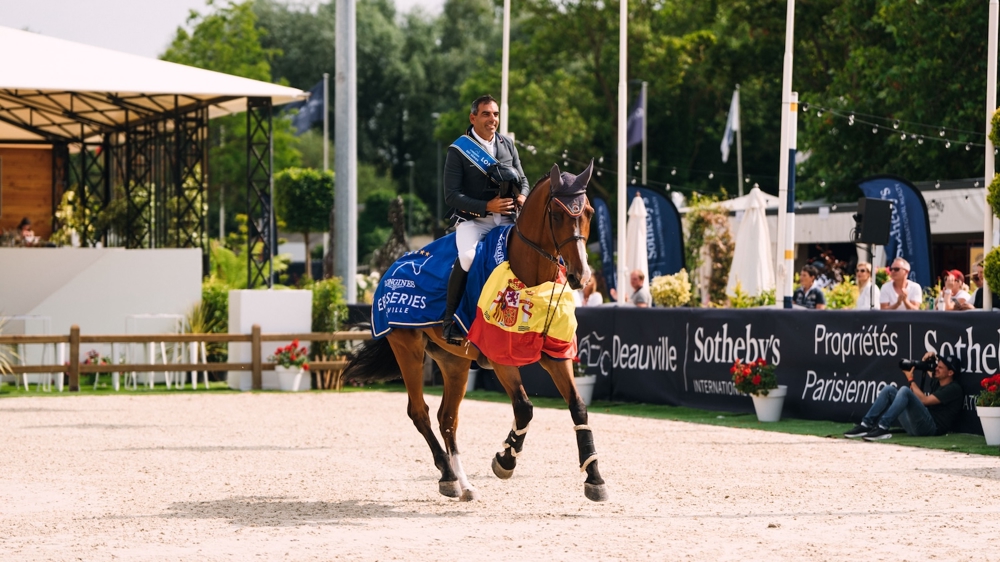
[511, 318]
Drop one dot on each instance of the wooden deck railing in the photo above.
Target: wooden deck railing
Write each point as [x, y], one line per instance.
[256, 365]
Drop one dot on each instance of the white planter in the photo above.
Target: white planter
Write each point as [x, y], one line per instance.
[989, 416]
[585, 386]
[292, 379]
[283, 312]
[473, 375]
[769, 407]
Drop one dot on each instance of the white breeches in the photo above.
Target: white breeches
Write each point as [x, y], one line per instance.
[469, 233]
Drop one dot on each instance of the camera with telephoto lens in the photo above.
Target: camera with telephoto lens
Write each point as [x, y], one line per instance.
[921, 364]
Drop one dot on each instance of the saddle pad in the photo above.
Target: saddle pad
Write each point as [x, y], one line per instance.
[412, 292]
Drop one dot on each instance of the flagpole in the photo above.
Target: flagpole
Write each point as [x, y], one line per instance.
[645, 118]
[622, 282]
[326, 121]
[504, 67]
[739, 141]
[346, 149]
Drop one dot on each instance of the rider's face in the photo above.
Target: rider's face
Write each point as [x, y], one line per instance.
[485, 122]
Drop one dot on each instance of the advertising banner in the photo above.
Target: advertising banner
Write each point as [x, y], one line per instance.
[664, 233]
[606, 238]
[910, 231]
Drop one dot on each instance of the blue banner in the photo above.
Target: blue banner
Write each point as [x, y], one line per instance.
[606, 238]
[310, 111]
[909, 231]
[664, 233]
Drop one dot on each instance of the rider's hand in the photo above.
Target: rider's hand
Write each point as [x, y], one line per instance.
[520, 200]
[498, 205]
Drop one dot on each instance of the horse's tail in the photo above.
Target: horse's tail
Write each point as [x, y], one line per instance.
[372, 362]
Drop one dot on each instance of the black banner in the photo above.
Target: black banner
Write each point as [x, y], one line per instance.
[833, 362]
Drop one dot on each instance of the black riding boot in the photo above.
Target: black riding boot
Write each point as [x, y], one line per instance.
[456, 288]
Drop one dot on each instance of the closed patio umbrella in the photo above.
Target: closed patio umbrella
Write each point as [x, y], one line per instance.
[752, 266]
[635, 240]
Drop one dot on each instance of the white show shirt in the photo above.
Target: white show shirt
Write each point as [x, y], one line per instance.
[490, 146]
[866, 296]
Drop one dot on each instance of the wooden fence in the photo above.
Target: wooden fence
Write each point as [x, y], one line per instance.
[256, 365]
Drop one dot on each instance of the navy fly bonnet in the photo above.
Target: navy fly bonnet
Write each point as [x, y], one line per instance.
[569, 190]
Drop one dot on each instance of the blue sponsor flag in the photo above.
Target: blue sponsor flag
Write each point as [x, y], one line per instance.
[909, 229]
[664, 235]
[606, 238]
[310, 111]
[635, 122]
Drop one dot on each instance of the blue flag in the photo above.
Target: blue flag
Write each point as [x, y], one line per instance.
[664, 233]
[909, 229]
[635, 123]
[606, 238]
[310, 111]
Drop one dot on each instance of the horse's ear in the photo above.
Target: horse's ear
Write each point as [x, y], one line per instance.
[584, 178]
[555, 178]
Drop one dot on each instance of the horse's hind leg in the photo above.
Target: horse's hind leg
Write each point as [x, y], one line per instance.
[455, 371]
[408, 347]
[505, 461]
[562, 375]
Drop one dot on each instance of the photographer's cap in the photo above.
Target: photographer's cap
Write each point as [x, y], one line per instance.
[952, 363]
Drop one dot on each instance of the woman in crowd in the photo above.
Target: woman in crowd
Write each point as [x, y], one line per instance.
[954, 292]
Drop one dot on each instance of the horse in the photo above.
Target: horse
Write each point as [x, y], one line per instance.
[553, 226]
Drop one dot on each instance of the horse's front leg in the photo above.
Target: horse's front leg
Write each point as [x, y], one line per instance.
[562, 375]
[408, 347]
[505, 461]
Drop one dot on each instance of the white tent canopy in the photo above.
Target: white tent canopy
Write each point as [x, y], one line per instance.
[56, 89]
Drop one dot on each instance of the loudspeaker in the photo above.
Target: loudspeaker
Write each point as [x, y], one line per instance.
[873, 218]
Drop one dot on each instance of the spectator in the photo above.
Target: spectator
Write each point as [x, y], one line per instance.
[27, 234]
[953, 293]
[977, 277]
[588, 295]
[808, 294]
[920, 414]
[867, 289]
[901, 293]
[641, 296]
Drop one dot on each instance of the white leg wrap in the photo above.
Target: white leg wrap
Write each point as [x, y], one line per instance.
[517, 431]
[587, 462]
[580, 427]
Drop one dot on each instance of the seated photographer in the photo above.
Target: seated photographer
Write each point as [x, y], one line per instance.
[920, 414]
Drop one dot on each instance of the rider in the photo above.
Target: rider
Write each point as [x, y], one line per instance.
[485, 185]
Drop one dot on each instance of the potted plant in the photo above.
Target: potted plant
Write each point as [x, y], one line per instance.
[988, 409]
[759, 381]
[584, 382]
[291, 360]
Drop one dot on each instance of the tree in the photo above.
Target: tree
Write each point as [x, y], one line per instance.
[304, 197]
[227, 39]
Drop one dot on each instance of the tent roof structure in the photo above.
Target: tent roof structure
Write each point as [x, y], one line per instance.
[52, 90]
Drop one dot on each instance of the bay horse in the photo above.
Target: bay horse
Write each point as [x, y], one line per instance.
[554, 223]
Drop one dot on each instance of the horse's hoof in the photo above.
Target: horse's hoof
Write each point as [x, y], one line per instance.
[470, 495]
[450, 489]
[501, 472]
[595, 492]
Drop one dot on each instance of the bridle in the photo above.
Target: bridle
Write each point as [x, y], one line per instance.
[552, 231]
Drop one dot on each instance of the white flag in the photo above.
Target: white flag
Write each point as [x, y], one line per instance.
[732, 125]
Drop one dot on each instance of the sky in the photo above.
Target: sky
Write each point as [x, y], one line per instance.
[140, 27]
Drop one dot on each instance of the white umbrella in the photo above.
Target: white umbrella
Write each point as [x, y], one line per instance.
[752, 266]
[635, 239]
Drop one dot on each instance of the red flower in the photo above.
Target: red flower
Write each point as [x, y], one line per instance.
[756, 379]
[761, 362]
[992, 388]
[305, 366]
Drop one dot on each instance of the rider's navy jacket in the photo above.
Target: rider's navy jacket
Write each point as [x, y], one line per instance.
[467, 189]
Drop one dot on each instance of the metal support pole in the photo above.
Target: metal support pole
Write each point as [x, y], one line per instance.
[326, 121]
[346, 146]
[739, 141]
[260, 193]
[991, 107]
[645, 121]
[622, 145]
[786, 198]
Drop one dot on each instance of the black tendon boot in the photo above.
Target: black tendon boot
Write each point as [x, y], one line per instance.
[456, 287]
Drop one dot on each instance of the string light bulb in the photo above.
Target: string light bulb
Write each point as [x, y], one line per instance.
[937, 184]
[902, 136]
[968, 147]
[600, 160]
[673, 172]
[895, 124]
[822, 183]
[875, 130]
[941, 133]
[850, 120]
[947, 144]
[711, 175]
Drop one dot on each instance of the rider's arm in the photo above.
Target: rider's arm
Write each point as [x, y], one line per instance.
[454, 166]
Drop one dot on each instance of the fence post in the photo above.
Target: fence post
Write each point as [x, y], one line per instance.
[74, 358]
[255, 350]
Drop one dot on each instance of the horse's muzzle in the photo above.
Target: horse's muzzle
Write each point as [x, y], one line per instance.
[574, 281]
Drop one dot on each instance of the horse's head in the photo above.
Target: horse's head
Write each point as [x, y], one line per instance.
[570, 213]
